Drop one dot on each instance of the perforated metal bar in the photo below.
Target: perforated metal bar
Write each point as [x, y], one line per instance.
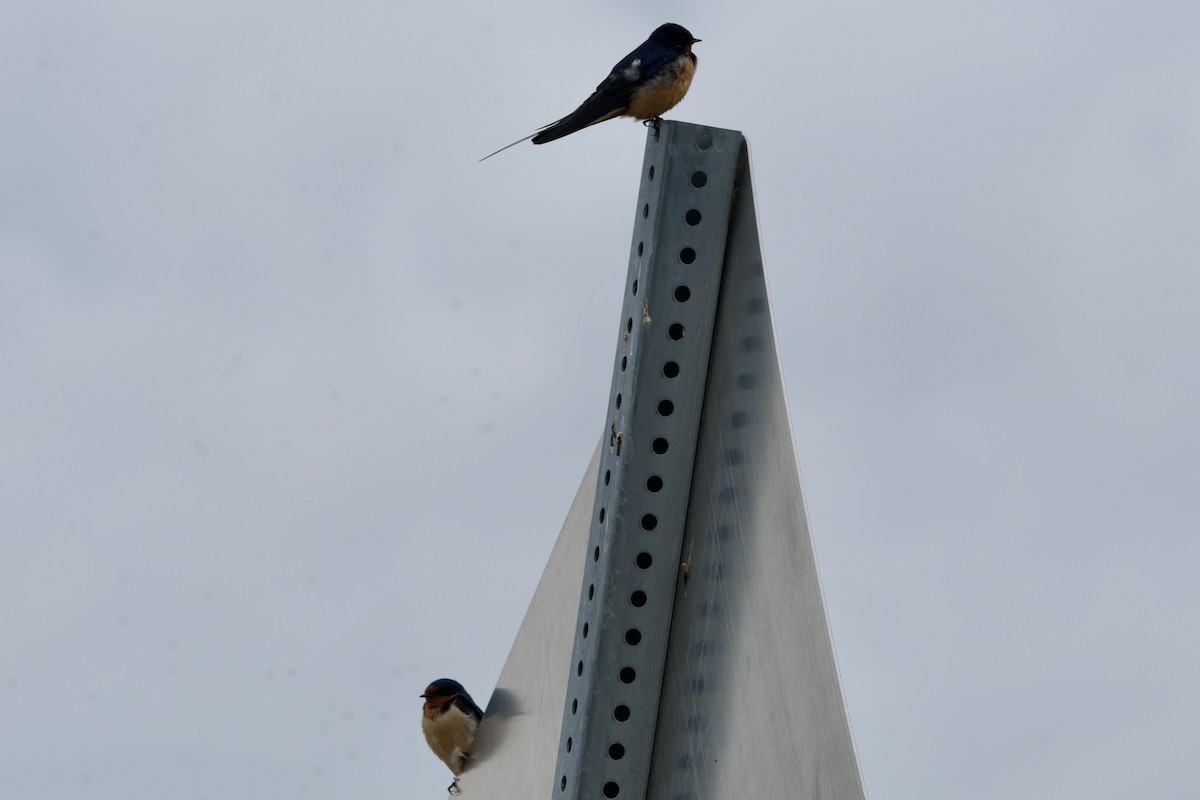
[659, 376]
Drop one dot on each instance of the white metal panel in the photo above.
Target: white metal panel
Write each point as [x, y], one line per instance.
[516, 746]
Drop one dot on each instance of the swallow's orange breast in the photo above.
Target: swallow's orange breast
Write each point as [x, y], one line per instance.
[664, 91]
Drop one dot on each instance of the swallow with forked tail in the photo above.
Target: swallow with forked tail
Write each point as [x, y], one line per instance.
[644, 85]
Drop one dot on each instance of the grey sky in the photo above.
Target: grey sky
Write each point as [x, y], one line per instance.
[295, 393]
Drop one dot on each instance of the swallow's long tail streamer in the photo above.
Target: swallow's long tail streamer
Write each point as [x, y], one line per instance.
[596, 108]
[514, 144]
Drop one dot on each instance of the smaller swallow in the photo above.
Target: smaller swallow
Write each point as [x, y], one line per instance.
[449, 722]
[644, 85]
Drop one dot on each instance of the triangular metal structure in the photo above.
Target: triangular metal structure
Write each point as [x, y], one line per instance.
[677, 646]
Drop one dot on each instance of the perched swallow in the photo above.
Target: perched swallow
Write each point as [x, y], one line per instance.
[644, 85]
[450, 720]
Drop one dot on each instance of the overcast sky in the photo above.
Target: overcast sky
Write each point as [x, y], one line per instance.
[295, 393]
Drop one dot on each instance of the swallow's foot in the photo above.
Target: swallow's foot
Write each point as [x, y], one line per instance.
[453, 788]
[653, 122]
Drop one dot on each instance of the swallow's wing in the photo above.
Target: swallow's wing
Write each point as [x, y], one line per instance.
[611, 98]
[464, 702]
[603, 104]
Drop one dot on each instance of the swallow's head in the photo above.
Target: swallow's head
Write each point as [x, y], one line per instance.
[441, 692]
[672, 35]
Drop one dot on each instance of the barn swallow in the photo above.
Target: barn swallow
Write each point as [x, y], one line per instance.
[449, 722]
[644, 85]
